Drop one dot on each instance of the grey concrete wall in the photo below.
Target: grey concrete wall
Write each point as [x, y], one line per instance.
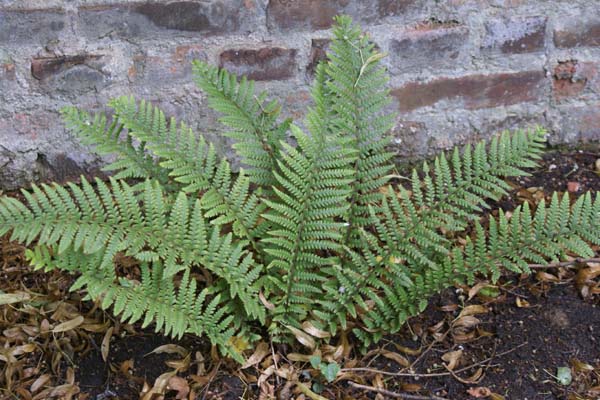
[460, 69]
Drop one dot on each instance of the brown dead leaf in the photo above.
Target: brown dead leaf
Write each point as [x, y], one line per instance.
[68, 325]
[475, 289]
[452, 358]
[411, 387]
[180, 385]
[105, 346]
[303, 337]
[546, 277]
[180, 365]
[12, 298]
[262, 350]
[467, 321]
[407, 350]
[479, 392]
[170, 349]
[473, 309]
[309, 328]
[521, 303]
[41, 381]
[398, 358]
[265, 302]
[160, 386]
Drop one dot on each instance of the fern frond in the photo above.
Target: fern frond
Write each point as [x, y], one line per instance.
[357, 86]
[109, 220]
[196, 165]
[311, 198]
[511, 242]
[252, 121]
[132, 161]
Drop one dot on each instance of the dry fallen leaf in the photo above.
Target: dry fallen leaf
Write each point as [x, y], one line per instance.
[303, 337]
[473, 309]
[452, 358]
[11, 298]
[40, 382]
[180, 385]
[68, 325]
[479, 392]
[398, 358]
[521, 303]
[261, 352]
[170, 349]
[105, 346]
[314, 331]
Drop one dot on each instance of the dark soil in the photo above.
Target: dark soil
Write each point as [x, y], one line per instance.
[532, 326]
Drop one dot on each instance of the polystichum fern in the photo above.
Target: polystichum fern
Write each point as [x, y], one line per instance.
[307, 235]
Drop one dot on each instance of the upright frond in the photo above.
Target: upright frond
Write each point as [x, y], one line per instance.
[252, 121]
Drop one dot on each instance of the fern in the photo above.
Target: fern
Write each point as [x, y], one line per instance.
[312, 233]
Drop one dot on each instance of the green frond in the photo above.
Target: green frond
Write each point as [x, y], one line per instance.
[105, 221]
[311, 197]
[252, 121]
[132, 161]
[357, 89]
[195, 164]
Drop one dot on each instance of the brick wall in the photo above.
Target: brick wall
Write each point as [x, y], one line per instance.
[460, 69]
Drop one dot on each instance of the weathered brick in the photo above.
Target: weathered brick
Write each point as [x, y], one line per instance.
[286, 15]
[473, 91]
[268, 63]
[430, 44]
[579, 123]
[392, 7]
[308, 14]
[44, 67]
[571, 78]
[578, 34]
[160, 70]
[70, 74]
[143, 19]
[41, 26]
[318, 53]
[516, 35]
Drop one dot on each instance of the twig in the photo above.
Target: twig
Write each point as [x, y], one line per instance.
[389, 393]
[565, 263]
[428, 349]
[207, 387]
[432, 375]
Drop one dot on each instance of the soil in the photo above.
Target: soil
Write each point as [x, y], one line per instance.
[524, 330]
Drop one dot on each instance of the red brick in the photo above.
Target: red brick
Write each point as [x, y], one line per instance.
[578, 34]
[429, 45]
[160, 70]
[45, 67]
[517, 35]
[473, 91]
[307, 14]
[571, 78]
[268, 63]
